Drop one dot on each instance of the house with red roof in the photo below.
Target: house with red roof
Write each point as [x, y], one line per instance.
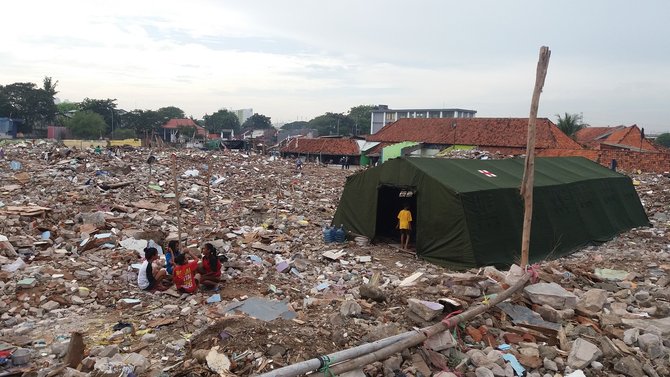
[619, 137]
[176, 129]
[504, 135]
[325, 148]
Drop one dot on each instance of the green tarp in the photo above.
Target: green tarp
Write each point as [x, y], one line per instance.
[469, 213]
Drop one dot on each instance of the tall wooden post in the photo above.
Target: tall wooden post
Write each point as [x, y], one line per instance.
[176, 197]
[277, 202]
[529, 167]
[208, 177]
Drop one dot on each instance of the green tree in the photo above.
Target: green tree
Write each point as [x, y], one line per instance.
[222, 120]
[361, 115]
[124, 133]
[570, 123]
[297, 125]
[257, 122]
[65, 107]
[106, 108]
[663, 139]
[28, 102]
[332, 124]
[171, 112]
[143, 122]
[86, 124]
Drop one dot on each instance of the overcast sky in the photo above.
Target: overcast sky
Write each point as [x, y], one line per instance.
[293, 60]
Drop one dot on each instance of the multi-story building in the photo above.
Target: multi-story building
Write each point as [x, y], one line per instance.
[243, 114]
[383, 115]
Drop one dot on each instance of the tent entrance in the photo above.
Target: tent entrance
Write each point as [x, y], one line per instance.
[390, 200]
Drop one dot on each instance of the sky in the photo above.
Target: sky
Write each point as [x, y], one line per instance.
[294, 60]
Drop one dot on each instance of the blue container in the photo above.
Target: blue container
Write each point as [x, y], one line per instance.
[327, 235]
[340, 234]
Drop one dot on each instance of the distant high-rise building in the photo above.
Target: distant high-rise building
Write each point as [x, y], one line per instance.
[243, 114]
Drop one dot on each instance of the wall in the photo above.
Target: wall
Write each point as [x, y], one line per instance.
[130, 142]
[82, 144]
[627, 161]
[393, 151]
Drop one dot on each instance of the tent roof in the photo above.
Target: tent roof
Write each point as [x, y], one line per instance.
[465, 176]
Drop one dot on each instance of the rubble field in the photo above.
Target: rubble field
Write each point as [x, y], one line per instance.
[73, 225]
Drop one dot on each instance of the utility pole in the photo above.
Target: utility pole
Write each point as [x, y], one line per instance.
[112, 111]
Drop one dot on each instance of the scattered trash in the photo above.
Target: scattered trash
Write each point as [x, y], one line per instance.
[608, 274]
[214, 298]
[15, 165]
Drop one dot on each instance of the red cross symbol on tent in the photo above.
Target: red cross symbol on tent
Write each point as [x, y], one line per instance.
[487, 173]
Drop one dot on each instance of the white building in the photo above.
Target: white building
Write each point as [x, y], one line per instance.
[384, 115]
[243, 114]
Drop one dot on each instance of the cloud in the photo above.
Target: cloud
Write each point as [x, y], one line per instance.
[303, 58]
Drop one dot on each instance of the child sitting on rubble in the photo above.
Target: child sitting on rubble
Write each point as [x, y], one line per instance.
[210, 267]
[185, 274]
[170, 254]
[150, 277]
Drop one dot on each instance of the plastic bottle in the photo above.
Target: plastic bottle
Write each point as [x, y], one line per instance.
[326, 235]
[333, 234]
[341, 235]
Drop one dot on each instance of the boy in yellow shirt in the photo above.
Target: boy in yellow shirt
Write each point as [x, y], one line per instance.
[405, 226]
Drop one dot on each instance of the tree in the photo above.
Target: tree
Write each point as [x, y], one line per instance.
[143, 122]
[297, 125]
[257, 122]
[222, 120]
[86, 124]
[65, 107]
[171, 112]
[664, 139]
[570, 124]
[28, 102]
[106, 108]
[332, 124]
[125, 133]
[361, 115]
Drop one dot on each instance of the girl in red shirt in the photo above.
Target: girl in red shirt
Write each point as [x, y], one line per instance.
[185, 273]
[210, 267]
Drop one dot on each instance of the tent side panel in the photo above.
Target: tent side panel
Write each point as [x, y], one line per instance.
[444, 238]
[357, 209]
[495, 220]
[572, 216]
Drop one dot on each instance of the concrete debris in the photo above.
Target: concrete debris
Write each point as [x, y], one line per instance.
[551, 294]
[425, 309]
[72, 238]
[583, 353]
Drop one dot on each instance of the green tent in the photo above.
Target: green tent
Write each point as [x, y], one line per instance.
[469, 213]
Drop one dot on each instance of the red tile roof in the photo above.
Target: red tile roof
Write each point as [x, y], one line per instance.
[619, 136]
[328, 146]
[489, 132]
[589, 134]
[177, 123]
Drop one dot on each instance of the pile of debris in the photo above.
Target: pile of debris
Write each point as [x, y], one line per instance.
[72, 229]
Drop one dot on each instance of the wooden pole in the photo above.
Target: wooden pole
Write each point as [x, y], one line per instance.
[176, 197]
[75, 350]
[208, 176]
[277, 202]
[529, 166]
